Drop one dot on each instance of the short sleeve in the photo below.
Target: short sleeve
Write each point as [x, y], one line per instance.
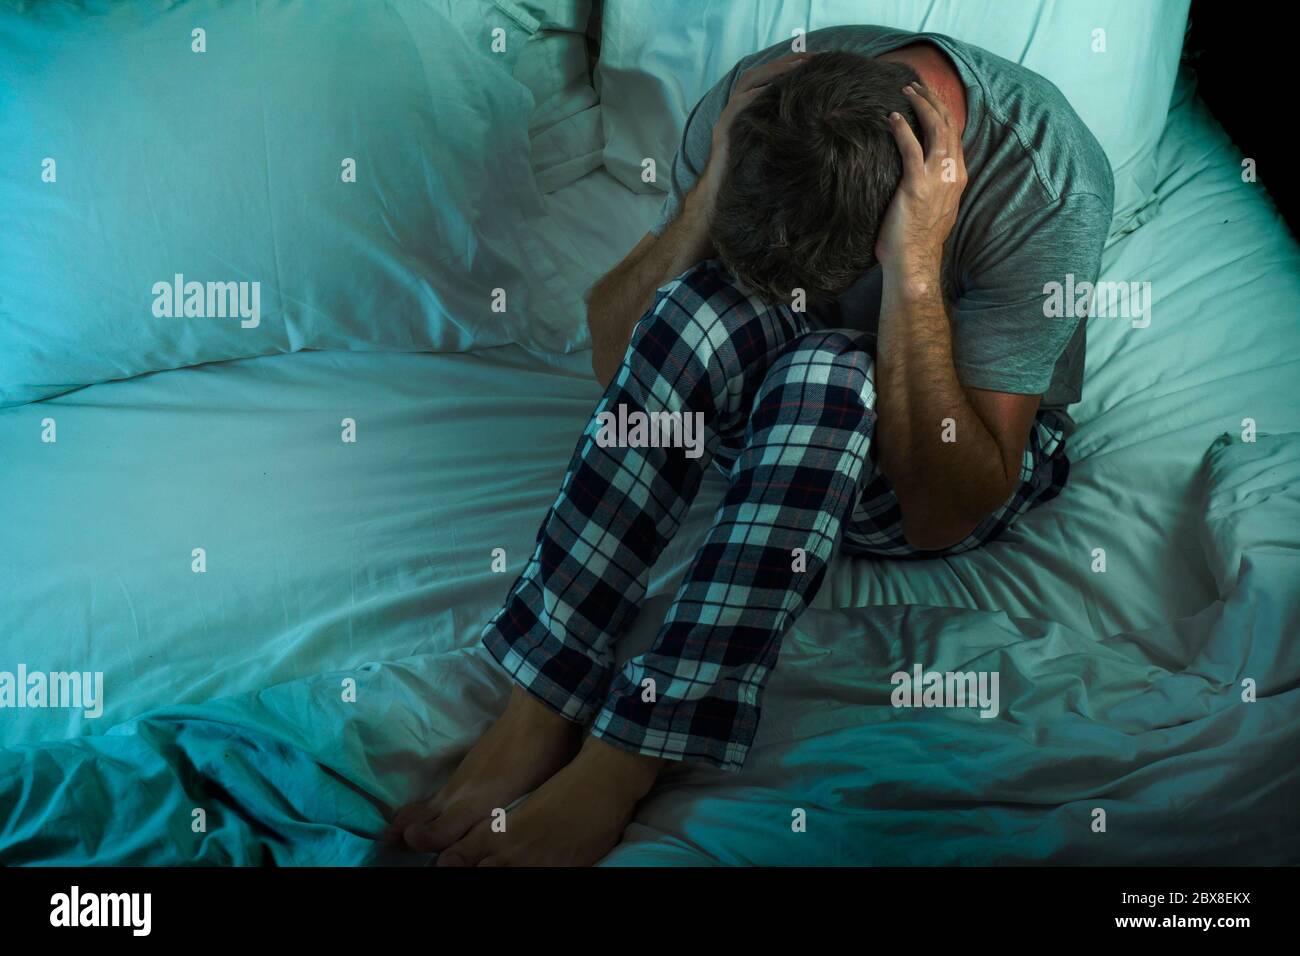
[1007, 331]
[693, 152]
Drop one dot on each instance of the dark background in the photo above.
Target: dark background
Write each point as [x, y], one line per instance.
[1241, 52]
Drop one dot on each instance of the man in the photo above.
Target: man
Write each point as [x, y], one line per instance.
[917, 193]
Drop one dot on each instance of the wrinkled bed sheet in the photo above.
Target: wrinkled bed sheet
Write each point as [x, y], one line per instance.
[372, 561]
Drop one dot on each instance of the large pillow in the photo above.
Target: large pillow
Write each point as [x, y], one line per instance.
[176, 184]
[658, 57]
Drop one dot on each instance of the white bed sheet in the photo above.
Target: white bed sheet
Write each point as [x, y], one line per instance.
[1221, 347]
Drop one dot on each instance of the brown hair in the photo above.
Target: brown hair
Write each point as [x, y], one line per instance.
[813, 166]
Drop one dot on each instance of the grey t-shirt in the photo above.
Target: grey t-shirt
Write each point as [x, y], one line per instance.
[1037, 205]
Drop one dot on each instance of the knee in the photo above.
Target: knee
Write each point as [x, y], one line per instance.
[697, 309]
[834, 360]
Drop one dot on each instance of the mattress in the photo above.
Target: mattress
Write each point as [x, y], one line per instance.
[324, 667]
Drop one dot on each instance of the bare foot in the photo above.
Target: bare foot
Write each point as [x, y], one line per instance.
[527, 744]
[574, 819]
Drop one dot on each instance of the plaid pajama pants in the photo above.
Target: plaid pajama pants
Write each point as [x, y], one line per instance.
[789, 416]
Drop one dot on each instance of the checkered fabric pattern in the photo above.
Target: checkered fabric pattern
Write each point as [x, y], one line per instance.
[789, 418]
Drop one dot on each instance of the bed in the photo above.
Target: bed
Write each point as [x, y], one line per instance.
[324, 668]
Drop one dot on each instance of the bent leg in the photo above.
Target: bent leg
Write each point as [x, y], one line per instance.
[796, 479]
[703, 349]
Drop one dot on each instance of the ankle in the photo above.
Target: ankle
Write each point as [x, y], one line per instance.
[531, 712]
[634, 773]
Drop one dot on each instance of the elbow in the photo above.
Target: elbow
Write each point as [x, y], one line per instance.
[603, 365]
[601, 368]
[606, 356]
[929, 526]
[936, 514]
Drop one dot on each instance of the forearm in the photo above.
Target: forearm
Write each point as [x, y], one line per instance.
[619, 300]
[944, 488]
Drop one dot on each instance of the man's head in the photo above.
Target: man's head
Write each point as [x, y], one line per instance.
[813, 166]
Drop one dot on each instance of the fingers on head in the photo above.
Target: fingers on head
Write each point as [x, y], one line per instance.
[930, 119]
[934, 100]
[908, 145]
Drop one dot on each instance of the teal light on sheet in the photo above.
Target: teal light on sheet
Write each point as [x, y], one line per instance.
[335, 565]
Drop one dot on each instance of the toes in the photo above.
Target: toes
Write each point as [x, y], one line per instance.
[421, 811]
[469, 850]
[493, 861]
[434, 836]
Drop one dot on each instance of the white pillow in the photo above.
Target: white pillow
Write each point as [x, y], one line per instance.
[658, 57]
[217, 142]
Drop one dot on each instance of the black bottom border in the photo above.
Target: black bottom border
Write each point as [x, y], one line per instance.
[371, 905]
